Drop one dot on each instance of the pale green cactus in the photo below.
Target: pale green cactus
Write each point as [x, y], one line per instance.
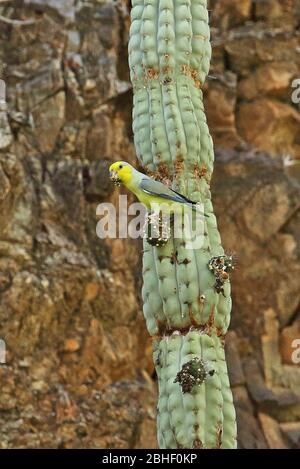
[186, 292]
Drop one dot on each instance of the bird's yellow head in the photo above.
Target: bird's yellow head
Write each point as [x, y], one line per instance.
[120, 172]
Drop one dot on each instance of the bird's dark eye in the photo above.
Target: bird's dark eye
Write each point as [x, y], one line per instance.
[121, 166]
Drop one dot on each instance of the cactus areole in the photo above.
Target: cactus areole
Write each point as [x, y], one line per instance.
[186, 292]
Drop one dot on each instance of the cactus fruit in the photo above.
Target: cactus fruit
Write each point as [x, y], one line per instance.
[221, 266]
[186, 292]
[193, 373]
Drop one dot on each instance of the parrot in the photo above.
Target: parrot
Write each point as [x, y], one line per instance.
[146, 189]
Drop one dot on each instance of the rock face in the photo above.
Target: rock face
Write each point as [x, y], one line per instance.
[78, 369]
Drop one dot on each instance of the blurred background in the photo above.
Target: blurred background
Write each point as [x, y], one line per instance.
[79, 370]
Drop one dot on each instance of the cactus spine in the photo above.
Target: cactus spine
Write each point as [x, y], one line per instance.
[185, 312]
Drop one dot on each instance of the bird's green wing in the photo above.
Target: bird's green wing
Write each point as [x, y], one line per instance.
[156, 188]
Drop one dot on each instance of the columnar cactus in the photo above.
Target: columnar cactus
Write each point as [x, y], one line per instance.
[186, 292]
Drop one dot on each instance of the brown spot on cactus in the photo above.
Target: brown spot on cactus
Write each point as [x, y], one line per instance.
[172, 136]
[179, 163]
[197, 444]
[162, 174]
[158, 359]
[202, 298]
[219, 436]
[211, 317]
[194, 323]
[173, 258]
[167, 81]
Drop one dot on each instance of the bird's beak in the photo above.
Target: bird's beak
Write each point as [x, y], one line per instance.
[114, 178]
